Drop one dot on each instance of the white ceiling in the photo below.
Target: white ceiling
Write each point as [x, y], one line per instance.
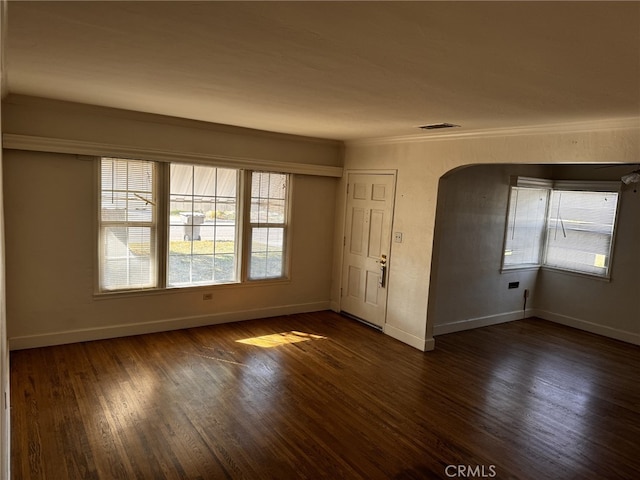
[340, 70]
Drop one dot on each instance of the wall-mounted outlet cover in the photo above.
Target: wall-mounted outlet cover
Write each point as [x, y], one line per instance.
[514, 284]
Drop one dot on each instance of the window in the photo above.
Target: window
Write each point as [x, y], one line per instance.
[268, 225]
[202, 225]
[566, 225]
[128, 218]
[526, 226]
[580, 231]
[176, 225]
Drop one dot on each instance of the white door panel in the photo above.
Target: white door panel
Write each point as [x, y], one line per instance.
[369, 211]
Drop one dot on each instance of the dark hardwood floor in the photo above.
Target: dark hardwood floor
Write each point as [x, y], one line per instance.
[527, 399]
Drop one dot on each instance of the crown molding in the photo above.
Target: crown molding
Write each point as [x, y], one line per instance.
[78, 147]
[631, 123]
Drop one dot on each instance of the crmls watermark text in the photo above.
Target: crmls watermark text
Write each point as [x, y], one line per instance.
[469, 471]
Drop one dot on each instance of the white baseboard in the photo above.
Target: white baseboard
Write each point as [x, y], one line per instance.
[124, 330]
[423, 344]
[623, 335]
[471, 323]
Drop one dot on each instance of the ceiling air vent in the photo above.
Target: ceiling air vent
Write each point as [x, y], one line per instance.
[436, 126]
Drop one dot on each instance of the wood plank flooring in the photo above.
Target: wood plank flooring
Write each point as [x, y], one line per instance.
[527, 399]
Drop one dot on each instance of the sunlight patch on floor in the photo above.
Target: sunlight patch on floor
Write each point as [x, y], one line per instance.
[278, 339]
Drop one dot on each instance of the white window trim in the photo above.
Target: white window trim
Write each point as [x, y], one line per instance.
[248, 230]
[525, 182]
[238, 228]
[154, 225]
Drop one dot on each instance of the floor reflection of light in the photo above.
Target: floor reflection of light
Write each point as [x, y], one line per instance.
[218, 359]
[130, 401]
[543, 398]
[278, 339]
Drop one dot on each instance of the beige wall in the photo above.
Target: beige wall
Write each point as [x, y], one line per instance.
[421, 163]
[51, 246]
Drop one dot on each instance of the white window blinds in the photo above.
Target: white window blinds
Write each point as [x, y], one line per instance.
[127, 224]
[268, 225]
[525, 226]
[580, 231]
[566, 225]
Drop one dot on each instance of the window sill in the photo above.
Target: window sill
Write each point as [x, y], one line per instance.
[190, 289]
[519, 268]
[572, 273]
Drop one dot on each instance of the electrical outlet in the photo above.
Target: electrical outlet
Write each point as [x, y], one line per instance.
[207, 296]
[397, 237]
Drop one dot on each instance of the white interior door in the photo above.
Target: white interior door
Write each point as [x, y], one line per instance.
[368, 223]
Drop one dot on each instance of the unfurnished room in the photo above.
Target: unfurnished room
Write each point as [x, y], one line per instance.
[320, 240]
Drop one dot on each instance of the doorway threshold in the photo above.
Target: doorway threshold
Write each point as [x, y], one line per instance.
[358, 319]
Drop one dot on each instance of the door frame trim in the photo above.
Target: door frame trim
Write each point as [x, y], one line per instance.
[367, 171]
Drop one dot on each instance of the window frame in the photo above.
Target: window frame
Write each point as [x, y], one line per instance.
[565, 186]
[511, 228]
[568, 188]
[532, 183]
[162, 197]
[249, 227]
[237, 254]
[154, 226]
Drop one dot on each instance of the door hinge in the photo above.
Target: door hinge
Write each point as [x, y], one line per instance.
[348, 188]
[344, 241]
